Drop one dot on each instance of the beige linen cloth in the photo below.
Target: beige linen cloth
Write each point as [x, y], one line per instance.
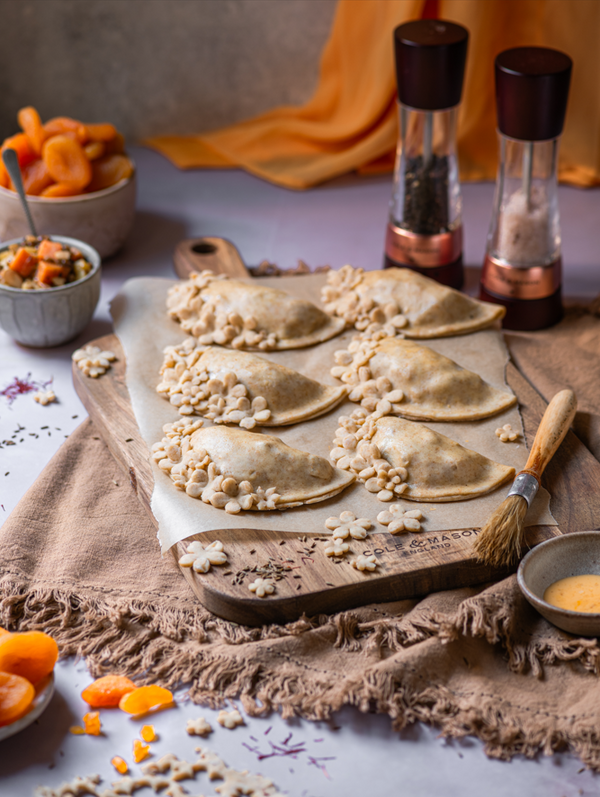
[79, 559]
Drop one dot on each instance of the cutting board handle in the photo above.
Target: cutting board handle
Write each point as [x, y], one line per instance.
[215, 254]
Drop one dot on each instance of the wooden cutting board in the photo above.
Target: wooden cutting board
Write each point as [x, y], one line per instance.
[309, 582]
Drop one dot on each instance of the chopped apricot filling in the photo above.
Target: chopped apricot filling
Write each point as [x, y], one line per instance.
[92, 724]
[148, 733]
[140, 751]
[119, 764]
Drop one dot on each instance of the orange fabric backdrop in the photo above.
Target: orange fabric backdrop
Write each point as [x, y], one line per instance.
[351, 121]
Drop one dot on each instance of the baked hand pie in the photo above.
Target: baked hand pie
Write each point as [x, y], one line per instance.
[397, 458]
[235, 470]
[216, 309]
[419, 383]
[404, 302]
[239, 387]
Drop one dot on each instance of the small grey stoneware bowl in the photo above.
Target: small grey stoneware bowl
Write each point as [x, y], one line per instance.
[54, 316]
[569, 555]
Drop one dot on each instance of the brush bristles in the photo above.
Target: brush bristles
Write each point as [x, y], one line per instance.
[499, 542]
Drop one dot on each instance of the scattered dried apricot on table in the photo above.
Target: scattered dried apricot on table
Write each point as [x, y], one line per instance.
[16, 696]
[148, 733]
[92, 724]
[140, 751]
[119, 764]
[146, 698]
[76, 730]
[106, 692]
[31, 654]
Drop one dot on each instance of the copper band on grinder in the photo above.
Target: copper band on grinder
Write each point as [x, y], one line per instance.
[424, 251]
[536, 282]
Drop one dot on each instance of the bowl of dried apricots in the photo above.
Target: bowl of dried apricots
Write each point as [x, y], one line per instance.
[78, 179]
[27, 662]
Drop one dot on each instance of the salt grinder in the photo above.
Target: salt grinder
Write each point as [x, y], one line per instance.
[522, 266]
[425, 226]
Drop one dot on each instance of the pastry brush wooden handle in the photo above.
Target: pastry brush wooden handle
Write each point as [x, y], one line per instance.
[551, 431]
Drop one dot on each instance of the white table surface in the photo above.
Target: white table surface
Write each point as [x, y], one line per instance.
[341, 222]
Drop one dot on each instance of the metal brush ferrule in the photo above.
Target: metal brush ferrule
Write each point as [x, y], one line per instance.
[526, 486]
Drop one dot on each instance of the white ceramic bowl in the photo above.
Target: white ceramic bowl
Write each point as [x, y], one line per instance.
[51, 317]
[102, 219]
[568, 555]
[40, 701]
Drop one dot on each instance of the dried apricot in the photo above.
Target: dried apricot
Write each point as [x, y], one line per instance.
[116, 146]
[57, 190]
[66, 161]
[148, 733]
[108, 171]
[36, 177]
[140, 751]
[31, 654]
[31, 125]
[119, 764]
[22, 146]
[104, 131]
[94, 150]
[23, 263]
[4, 631]
[61, 124]
[92, 724]
[145, 698]
[106, 692]
[16, 695]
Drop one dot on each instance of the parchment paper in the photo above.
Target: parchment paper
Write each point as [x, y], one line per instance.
[144, 329]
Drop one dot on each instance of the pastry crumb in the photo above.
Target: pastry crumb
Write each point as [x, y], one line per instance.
[93, 361]
[198, 727]
[230, 719]
[200, 558]
[348, 525]
[398, 520]
[44, 397]
[365, 562]
[262, 587]
[507, 434]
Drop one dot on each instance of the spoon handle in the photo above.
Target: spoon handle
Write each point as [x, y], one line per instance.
[11, 161]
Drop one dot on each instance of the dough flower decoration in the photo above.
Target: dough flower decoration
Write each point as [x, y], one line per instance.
[341, 299]
[200, 558]
[262, 587]
[189, 386]
[348, 525]
[354, 451]
[44, 397]
[230, 719]
[93, 361]
[205, 320]
[507, 434]
[363, 562]
[374, 394]
[398, 520]
[193, 471]
[198, 727]
[336, 547]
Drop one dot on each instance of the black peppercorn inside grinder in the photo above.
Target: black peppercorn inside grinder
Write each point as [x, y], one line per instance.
[522, 266]
[425, 226]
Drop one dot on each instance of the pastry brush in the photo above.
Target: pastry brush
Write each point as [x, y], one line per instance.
[500, 541]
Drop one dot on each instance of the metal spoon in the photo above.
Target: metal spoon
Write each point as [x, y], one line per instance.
[11, 161]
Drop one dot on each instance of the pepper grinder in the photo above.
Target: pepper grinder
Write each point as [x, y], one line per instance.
[522, 267]
[425, 223]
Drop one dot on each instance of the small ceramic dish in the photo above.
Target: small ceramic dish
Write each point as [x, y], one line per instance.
[569, 555]
[103, 219]
[43, 318]
[43, 696]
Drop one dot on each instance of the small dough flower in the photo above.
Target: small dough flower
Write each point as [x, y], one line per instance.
[397, 520]
[198, 727]
[93, 361]
[200, 558]
[336, 547]
[506, 433]
[348, 525]
[365, 562]
[230, 719]
[262, 587]
[44, 397]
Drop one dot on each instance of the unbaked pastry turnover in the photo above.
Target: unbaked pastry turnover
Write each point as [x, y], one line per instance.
[419, 383]
[234, 469]
[216, 309]
[404, 302]
[239, 387]
[397, 458]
